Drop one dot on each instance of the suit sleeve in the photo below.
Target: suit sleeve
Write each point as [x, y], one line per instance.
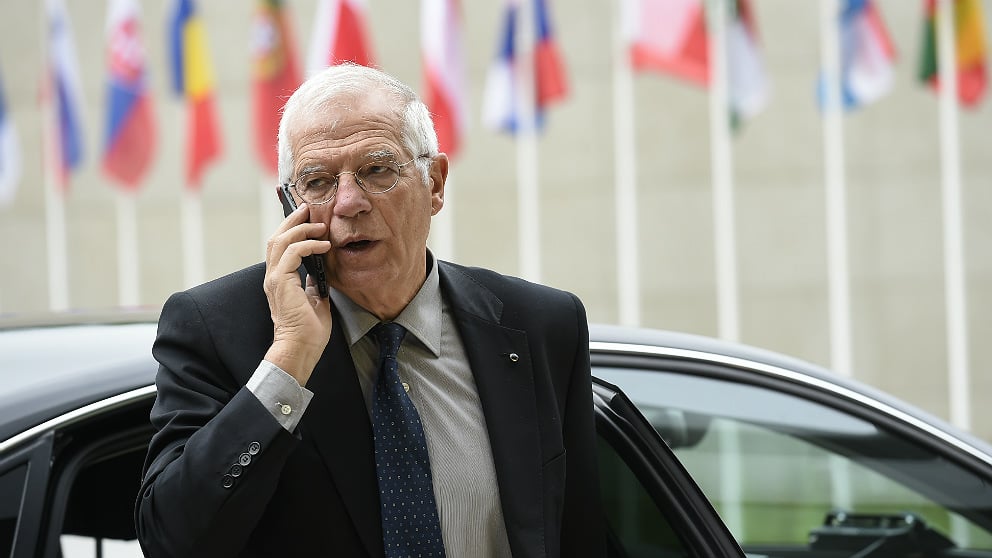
[217, 453]
[583, 532]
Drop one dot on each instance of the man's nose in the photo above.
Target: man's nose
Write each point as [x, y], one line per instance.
[350, 199]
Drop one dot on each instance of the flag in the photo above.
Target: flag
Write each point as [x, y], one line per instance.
[65, 92]
[193, 80]
[10, 154]
[276, 75]
[668, 36]
[339, 35]
[500, 110]
[130, 139]
[444, 70]
[747, 80]
[969, 39]
[867, 56]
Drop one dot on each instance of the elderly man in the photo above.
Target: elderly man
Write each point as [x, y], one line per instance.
[423, 409]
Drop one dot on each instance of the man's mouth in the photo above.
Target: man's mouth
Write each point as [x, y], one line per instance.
[357, 245]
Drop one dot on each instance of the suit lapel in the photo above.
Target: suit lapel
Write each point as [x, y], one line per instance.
[337, 423]
[507, 393]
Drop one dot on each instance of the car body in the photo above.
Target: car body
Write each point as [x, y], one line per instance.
[707, 449]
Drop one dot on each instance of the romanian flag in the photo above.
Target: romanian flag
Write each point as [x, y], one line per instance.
[130, 140]
[668, 36]
[500, 110]
[276, 75]
[444, 70]
[10, 154]
[65, 91]
[340, 34]
[969, 39]
[193, 80]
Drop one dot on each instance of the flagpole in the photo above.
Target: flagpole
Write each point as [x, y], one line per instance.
[55, 234]
[191, 218]
[625, 176]
[528, 200]
[128, 260]
[835, 190]
[954, 282]
[443, 227]
[728, 322]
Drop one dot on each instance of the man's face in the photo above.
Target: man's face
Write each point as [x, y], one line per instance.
[378, 241]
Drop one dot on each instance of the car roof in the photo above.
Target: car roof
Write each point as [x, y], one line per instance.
[47, 369]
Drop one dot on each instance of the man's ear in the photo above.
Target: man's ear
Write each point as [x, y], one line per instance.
[438, 175]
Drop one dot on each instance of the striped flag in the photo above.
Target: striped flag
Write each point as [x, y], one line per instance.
[10, 154]
[969, 39]
[668, 36]
[193, 81]
[867, 55]
[276, 75]
[500, 110]
[444, 70]
[340, 34]
[65, 92]
[747, 80]
[130, 140]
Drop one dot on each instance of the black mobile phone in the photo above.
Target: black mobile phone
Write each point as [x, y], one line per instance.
[313, 263]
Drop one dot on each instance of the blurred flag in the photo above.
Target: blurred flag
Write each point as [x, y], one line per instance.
[10, 154]
[668, 36]
[444, 70]
[193, 79]
[747, 79]
[550, 84]
[867, 55]
[130, 140]
[340, 34]
[63, 89]
[276, 75]
[969, 34]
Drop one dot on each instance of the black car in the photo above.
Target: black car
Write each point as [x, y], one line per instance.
[706, 448]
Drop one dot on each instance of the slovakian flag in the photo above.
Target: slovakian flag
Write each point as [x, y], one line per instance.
[130, 141]
[276, 74]
[969, 41]
[500, 104]
[444, 71]
[193, 81]
[65, 92]
[340, 34]
[867, 57]
[10, 153]
[669, 37]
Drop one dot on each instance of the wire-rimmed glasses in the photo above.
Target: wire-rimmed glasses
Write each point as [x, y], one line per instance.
[375, 177]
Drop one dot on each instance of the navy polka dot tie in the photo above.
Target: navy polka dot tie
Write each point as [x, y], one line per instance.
[410, 526]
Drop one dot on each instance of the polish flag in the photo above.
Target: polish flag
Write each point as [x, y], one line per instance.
[444, 69]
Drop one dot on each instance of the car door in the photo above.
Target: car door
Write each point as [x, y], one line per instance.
[805, 467]
[652, 506]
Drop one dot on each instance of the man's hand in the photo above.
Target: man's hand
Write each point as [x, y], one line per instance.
[301, 318]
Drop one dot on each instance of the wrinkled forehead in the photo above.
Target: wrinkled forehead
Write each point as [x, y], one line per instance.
[348, 110]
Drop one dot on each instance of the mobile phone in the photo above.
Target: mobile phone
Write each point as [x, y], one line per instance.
[313, 263]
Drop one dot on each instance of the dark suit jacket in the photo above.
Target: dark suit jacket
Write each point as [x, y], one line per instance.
[315, 493]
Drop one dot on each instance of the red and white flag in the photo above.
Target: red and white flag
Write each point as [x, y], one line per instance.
[340, 34]
[444, 71]
[668, 36]
[276, 74]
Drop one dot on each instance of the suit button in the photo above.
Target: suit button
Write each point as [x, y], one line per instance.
[254, 448]
[244, 460]
[235, 470]
[227, 481]
[285, 409]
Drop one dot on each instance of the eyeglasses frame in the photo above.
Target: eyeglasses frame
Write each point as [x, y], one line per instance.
[337, 181]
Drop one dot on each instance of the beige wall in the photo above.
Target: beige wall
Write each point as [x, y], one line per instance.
[893, 186]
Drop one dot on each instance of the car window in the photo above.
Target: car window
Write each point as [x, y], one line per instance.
[788, 473]
[11, 494]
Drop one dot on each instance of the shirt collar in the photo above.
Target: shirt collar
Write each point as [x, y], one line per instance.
[420, 317]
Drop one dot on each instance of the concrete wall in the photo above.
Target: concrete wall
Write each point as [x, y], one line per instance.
[893, 186]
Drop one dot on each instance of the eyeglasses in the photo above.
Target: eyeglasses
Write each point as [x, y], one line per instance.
[376, 177]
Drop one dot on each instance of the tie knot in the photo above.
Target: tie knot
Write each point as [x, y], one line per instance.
[389, 336]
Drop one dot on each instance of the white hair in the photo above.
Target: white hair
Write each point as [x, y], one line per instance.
[417, 133]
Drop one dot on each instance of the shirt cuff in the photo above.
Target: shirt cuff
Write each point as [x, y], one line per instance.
[280, 394]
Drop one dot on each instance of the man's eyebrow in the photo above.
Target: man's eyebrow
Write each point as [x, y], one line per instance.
[310, 169]
[380, 154]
